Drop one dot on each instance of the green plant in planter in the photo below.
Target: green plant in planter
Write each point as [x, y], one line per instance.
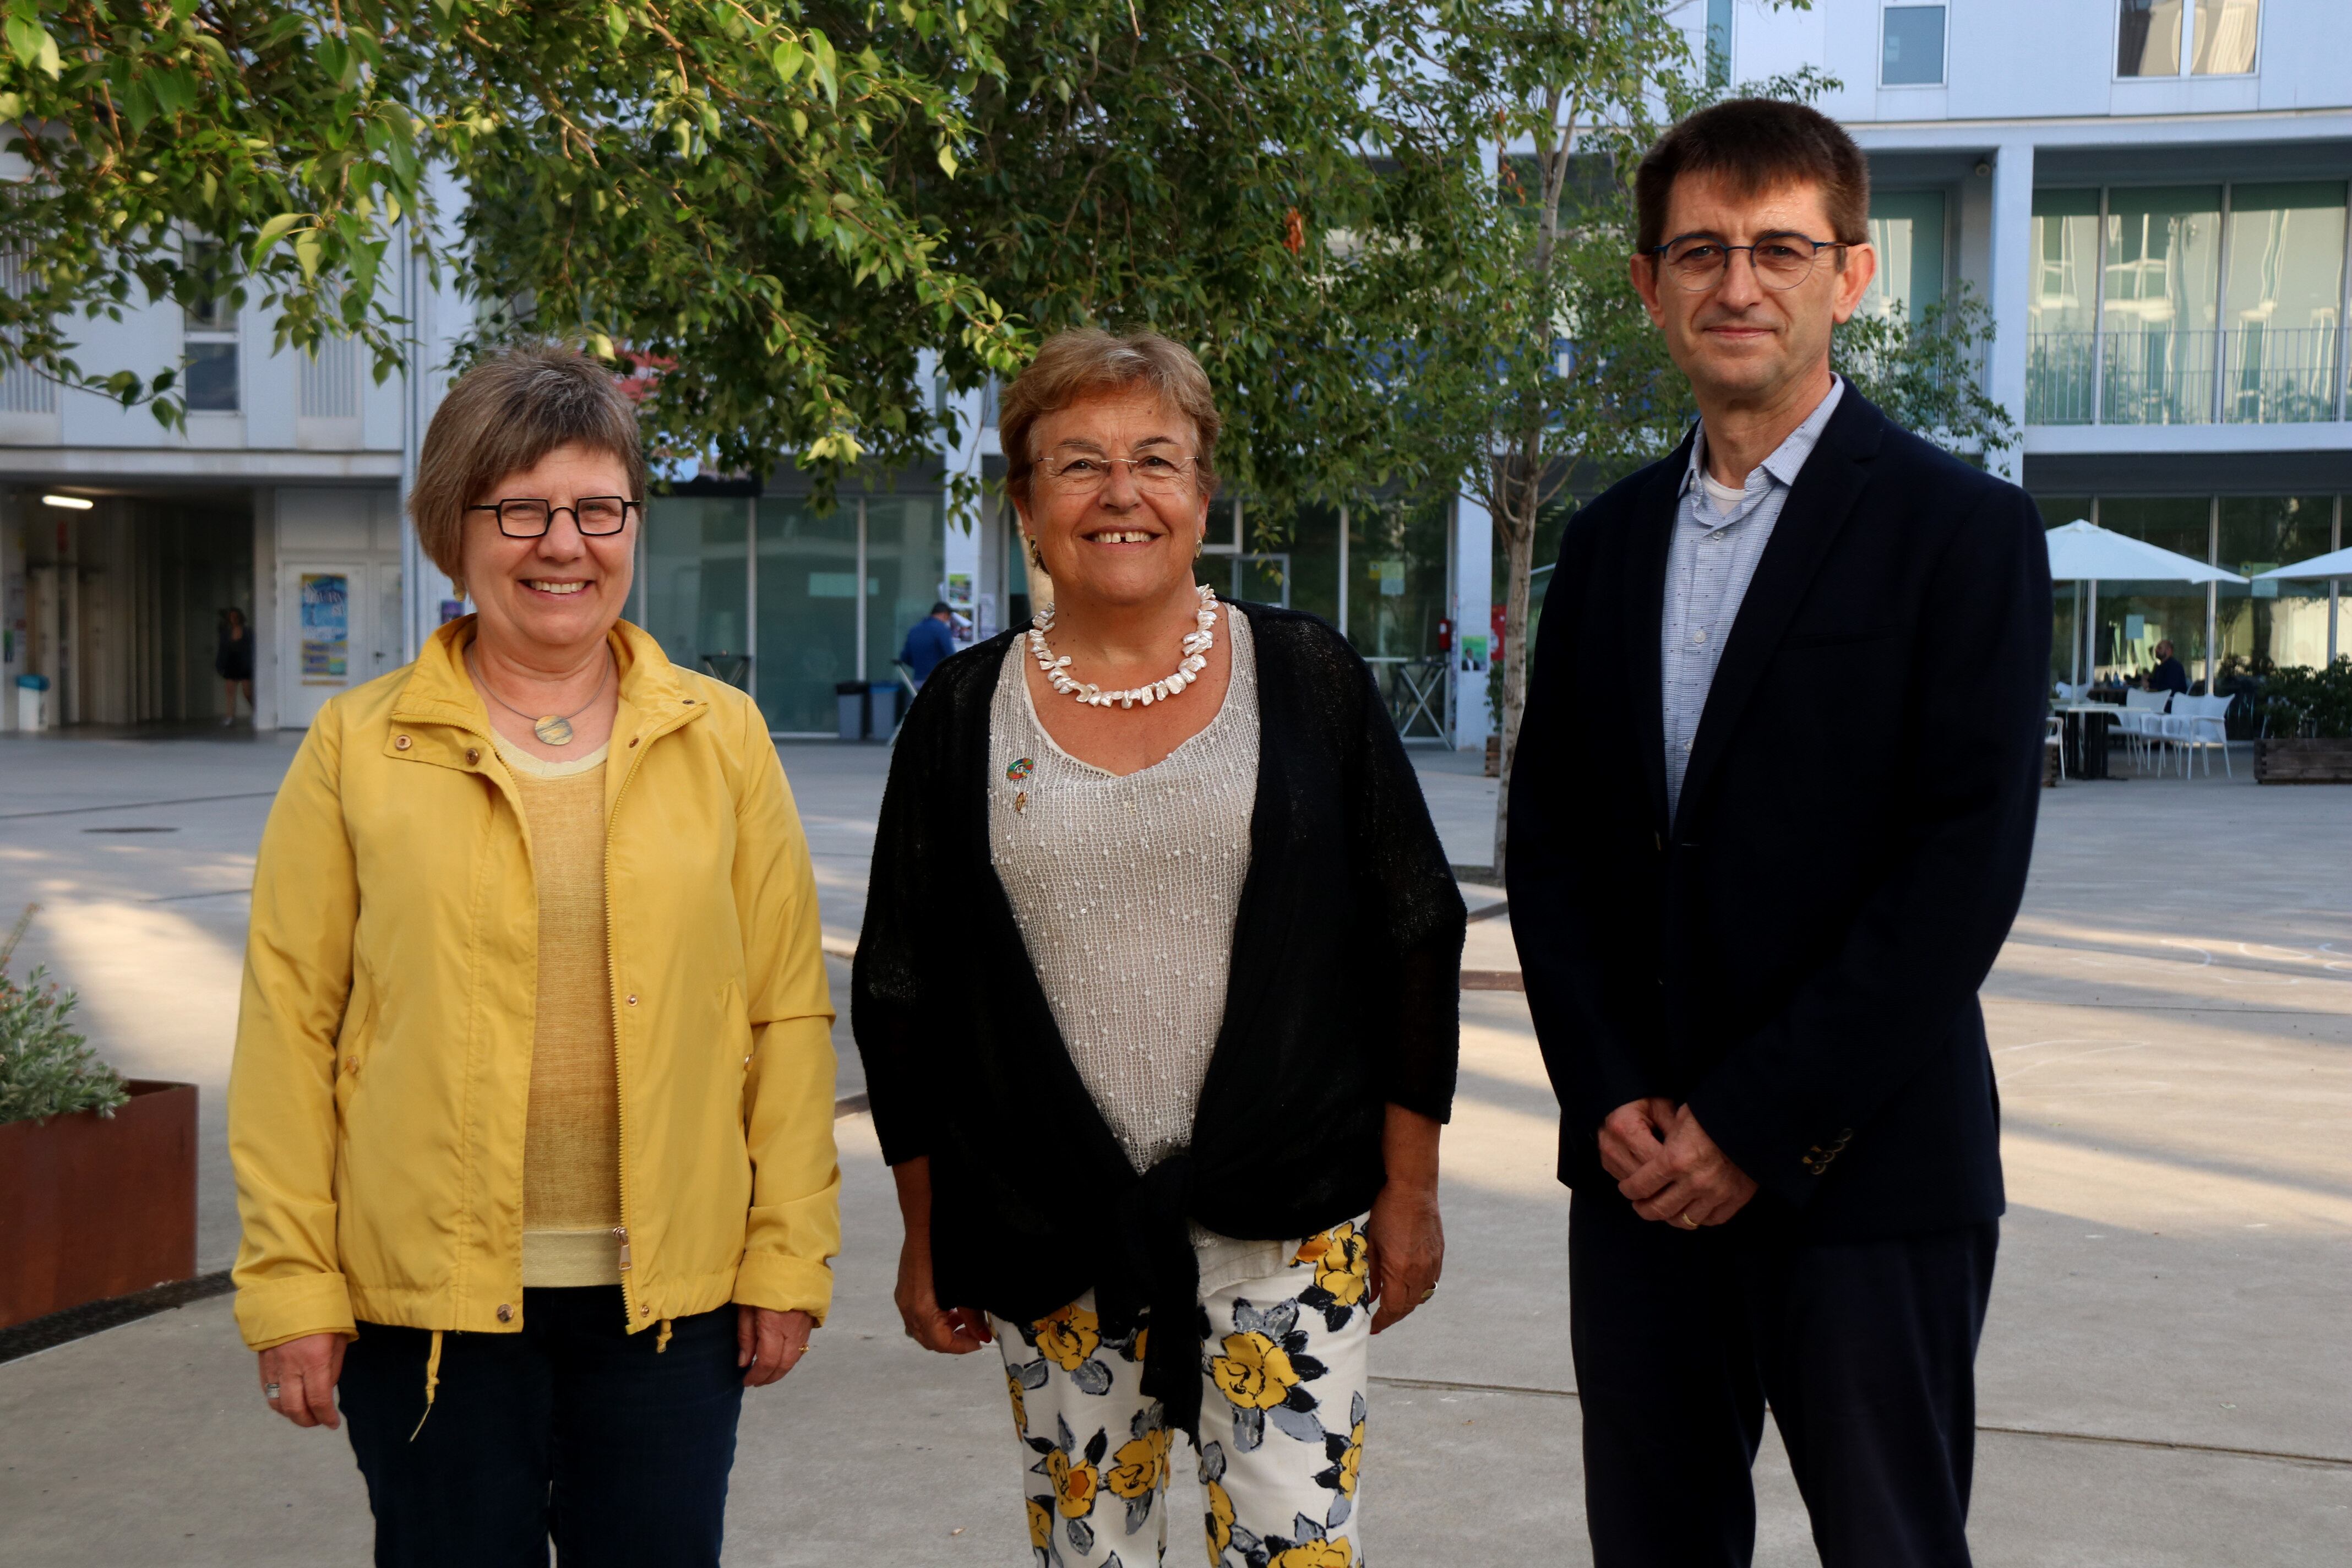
[45, 1069]
[2302, 701]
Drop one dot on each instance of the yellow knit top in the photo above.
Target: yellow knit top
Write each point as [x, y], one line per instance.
[572, 1141]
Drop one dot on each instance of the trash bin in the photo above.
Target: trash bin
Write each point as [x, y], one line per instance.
[32, 702]
[885, 703]
[850, 698]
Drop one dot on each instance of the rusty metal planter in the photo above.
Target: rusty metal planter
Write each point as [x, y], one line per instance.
[2296, 761]
[92, 1206]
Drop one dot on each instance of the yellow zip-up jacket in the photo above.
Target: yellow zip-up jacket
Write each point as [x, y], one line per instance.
[377, 1104]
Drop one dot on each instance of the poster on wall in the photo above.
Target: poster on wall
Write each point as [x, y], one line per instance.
[326, 629]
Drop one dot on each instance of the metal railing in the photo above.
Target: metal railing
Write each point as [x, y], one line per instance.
[2058, 379]
[2278, 375]
[2252, 375]
[2158, 375]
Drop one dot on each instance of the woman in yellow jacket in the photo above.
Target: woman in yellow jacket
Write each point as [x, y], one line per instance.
[531, 1109]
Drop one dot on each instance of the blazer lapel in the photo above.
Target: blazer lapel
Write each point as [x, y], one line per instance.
[1654, 535]
[1818, 505]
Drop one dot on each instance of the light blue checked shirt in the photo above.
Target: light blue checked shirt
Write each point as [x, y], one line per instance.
[1709, 564]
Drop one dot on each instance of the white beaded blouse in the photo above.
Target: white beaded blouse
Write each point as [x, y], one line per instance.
[1125, 888]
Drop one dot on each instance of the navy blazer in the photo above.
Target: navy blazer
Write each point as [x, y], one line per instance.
[1796, 955]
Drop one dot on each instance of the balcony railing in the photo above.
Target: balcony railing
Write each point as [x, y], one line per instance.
[2279, 375]
[2058, 379]
[2158, 375]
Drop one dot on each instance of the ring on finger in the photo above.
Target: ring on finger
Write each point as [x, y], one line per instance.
[269, 1391]
[1684, 1220]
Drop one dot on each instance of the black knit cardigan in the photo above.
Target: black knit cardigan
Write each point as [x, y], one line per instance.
[1343, 998]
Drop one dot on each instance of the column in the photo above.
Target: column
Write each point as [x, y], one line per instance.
[2012, 285]
[1473, 611]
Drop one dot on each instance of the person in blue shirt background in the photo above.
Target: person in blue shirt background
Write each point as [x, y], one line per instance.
[931, 640]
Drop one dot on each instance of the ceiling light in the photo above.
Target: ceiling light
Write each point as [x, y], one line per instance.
[71, 503]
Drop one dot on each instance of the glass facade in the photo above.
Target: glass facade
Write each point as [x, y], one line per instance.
[2207, 304]
[774, 596]
[2281, 300]
[2260, 627]
[2061, 313]
[2216, 38]
[1906, 228]
[2158, 318]
[2256, 627]
[807, 609]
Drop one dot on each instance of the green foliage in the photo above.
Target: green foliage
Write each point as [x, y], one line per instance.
[286, 135]
[2300, 700]
[616, 153]
[45, 1070]
[722, 193]
[1923, 373]
[1189, 168]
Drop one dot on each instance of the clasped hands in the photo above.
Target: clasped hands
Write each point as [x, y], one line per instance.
[1667, 1166]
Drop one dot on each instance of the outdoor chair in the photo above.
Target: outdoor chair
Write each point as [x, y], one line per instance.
[2139, 722]
[2200, 724]
[2055, 741]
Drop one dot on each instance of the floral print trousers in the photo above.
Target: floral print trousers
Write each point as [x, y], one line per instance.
[1283, 1368]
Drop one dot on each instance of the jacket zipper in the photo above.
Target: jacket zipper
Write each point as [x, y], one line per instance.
[620, 1077]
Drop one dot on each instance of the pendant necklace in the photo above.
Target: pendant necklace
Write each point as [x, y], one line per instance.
[552, 728]
[1195, 658]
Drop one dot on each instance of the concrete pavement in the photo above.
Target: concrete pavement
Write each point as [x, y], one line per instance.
[2162, 1376]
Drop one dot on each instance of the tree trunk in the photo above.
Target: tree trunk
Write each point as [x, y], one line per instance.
[1516, 521]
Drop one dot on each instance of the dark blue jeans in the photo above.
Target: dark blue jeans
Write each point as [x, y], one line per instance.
[570, 1429]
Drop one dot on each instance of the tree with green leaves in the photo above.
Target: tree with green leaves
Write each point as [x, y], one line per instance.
[613, 156]
[1523, 367]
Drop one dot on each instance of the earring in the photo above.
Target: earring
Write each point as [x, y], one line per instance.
[1036, 557]
[1201, 544]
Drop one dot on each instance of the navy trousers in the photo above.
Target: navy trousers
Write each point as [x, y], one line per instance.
[570, 1430]
[1866, 1352]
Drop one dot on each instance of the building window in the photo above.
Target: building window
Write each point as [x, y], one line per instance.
[2280, 302]
[1912, 52]
[2215, 38]
[1718, 43]
[1906, 229]
[209, 327]
[2204, 304]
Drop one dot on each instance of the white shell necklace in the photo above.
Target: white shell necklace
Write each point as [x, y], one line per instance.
[1196, 647]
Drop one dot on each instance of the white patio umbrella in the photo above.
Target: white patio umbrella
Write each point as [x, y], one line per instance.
[2337, 564]
[2083, 553]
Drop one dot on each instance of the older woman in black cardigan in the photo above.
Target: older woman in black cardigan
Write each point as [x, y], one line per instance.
[1163, 1108]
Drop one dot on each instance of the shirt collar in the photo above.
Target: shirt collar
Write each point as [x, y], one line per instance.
[1789, 457]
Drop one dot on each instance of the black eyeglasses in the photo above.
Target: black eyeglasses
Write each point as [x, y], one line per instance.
[593, 516]
[1699, 262]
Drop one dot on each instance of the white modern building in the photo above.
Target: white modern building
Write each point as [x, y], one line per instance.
[2150, 196]
[123, 544]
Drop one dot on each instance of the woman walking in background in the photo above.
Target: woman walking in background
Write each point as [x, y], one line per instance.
[1164, 1111]
[532, 1105]
[233, 662]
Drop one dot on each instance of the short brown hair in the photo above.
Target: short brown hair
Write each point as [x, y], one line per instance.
[1075, 365]
[1757, 145]
[502, 417]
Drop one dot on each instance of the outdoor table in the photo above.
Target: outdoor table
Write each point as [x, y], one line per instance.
[2086, 738]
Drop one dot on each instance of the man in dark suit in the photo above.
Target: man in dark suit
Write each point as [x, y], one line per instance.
[1753, 930]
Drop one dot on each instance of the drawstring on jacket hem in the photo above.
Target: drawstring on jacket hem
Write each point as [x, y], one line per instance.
[432, 1382]
[661, 1340]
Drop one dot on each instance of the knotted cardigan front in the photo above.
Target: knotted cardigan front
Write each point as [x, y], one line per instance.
[1343, 998]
